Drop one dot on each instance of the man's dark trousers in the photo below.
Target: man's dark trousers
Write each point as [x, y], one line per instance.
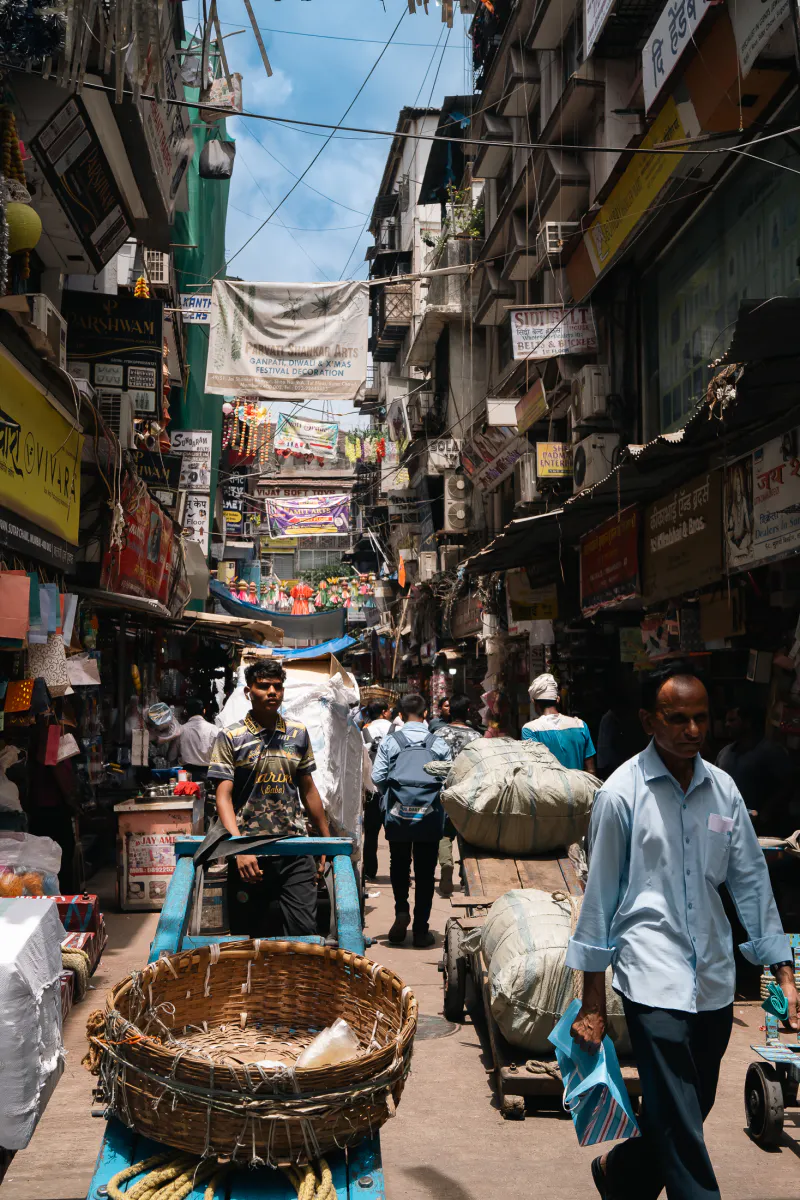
[373, 824]
[678, 1055]
[283, 903]
[426, 856]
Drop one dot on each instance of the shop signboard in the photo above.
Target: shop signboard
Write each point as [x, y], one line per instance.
[762, 504]
[554, 460]
[550, 332]
[754, 22]
[609, 562]
[466, 618]
[596, 13]
[234, 522]
[40, 460]
[195, 308]
[298, 436]
[527, 603]
[158, 470]
[310, 516]
[270, 545]
[151, 863]
[488, 457]
[194, 447]
[167, 124]
[683, 539]
[145, 564]
[673, 33]
[532, 407]
[277, 340]
[117, 342]
[72, 160]
[197, 518]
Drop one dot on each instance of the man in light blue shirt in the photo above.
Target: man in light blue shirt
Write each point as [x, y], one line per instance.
[667, 830]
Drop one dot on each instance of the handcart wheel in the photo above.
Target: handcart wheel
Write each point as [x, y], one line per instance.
[455, 973]
[513, 1108]
[763, 1102]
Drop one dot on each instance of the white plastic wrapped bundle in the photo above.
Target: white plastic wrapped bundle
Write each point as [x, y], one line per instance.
[31, 1050]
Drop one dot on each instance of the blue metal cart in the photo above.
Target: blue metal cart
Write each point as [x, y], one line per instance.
[357, 1172]
[771, 1086]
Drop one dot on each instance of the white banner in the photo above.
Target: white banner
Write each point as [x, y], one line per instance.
[281, 340]
[754, 22]
[550, 332]
[596, 15]
[667, 42]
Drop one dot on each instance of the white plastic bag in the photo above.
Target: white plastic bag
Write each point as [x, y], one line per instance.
[29, 865]
[9, 792]
[334, 1045]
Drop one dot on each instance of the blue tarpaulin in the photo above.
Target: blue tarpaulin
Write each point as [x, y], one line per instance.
[322, 625]
[334, 646]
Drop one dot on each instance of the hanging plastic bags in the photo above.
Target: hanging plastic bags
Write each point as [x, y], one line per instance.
[594, 1093]
[216, 160]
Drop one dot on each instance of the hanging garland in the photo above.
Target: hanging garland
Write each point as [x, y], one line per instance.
[364, 447]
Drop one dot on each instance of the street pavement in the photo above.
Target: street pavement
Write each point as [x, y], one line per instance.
[448, 1140]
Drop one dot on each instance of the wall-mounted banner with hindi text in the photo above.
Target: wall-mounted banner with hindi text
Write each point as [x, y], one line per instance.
[309, 516]
[672, 35]
[282, 340]
[298, 436]
[550, 332]
[762, 504]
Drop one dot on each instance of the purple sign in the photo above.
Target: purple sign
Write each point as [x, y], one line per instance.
[309, 516]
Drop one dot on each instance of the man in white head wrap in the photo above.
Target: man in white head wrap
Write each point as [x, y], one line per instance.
[568, 738]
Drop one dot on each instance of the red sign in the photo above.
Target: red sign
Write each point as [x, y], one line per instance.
[147, 562]
[610, 562]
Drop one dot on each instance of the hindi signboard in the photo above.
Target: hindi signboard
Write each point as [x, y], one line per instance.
[762, 504]
[683, 539]
[550, 332]
[674, 31]
[596, 13]
[610, 562]
[298, 436]
[281, 340]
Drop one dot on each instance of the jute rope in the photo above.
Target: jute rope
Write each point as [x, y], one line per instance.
[311, 1185]
[79, 963]
[167, 1177]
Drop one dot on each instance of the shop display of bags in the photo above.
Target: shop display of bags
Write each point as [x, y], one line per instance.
[524, 945]
[516, 798]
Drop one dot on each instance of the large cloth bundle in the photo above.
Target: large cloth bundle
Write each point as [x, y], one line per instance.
[516, 798]
[524, 944]
[31, 1051]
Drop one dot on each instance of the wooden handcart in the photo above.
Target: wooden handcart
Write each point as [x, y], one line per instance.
[357, 1172]
[519, 1077]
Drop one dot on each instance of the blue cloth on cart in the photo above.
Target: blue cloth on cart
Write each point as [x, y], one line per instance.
[594, 1093]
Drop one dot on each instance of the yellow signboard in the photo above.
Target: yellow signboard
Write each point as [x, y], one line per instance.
[637, 189]
[553, 460]
[532, 407]
[278, 545]
[40, 456]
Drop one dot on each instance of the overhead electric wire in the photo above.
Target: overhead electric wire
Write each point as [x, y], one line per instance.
[305, 184]
[321, 150]
[332, 37]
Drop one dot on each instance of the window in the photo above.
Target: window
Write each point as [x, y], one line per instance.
[283, 566]
[307, 560]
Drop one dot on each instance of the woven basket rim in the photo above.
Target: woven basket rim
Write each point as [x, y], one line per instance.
[188, 1057]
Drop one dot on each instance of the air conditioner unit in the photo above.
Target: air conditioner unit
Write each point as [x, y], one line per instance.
[157, 267]
[450, 557]
[593, 459]
[553, 236]
[590, 387]
[457, 503]
[47, 329]
[428, 564]
[117, 410]
[526, 484]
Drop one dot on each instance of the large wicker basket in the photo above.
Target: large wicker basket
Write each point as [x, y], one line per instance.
[185, 1037]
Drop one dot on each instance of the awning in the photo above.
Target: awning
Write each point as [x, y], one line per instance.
[234, 628]
[320, 626]
[136, 604]
[764, 403]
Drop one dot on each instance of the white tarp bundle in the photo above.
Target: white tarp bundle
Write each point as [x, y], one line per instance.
[31, 1050]
[524, 944]
[325, 705]
[281, 340]
[515, 797]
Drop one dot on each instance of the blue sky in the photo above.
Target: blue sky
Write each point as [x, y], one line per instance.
[315, 78]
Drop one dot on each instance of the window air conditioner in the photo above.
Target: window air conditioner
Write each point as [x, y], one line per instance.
[590, 387]
[157, 267]
[553, 236]
[526, 484]
[47, 329]
[428, 564]
[593, 459]
[457, 503]
[450, 557]
[117, 410]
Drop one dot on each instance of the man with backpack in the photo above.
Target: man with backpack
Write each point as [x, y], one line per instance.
[413, 816]
[377, 725]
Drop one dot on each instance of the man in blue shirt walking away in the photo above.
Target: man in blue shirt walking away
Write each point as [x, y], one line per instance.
[566, 737]
[667, 829]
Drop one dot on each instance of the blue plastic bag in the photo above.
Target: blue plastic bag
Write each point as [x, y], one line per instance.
[594, 1094]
